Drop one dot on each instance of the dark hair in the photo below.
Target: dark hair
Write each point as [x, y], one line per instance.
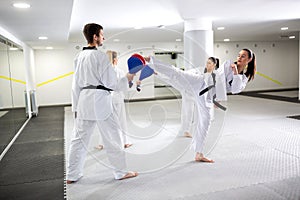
[90, 30]
[215, 61]
[251, 69]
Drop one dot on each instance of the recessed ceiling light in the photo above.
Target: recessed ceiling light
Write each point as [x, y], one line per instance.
[116, 40]
[49, 48]
[292, 37]
[43, 38]
[138, 27]
[221, 28]
[21, 5]
[178, 40]
[284, 28]
[226, 40]
[13, 48]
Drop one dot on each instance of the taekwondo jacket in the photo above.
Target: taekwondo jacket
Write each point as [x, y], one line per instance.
[92, 68]
[119, 96]
[227, 82]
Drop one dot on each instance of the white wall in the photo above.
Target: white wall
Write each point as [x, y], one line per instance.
[278, 60]
[51, 64]
[54, 63]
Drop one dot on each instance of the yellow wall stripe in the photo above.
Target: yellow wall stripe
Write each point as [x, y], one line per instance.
[54, 79]
[12, 79]
[269, 78]
[70, 73]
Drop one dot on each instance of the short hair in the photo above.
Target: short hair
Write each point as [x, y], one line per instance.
[90, 30]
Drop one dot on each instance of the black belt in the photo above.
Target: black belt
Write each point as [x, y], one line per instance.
[214, 97]
[99, 87]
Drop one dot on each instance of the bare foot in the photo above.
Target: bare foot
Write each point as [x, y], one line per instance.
[127, 145]
[200, 158]
[187, 134]
[70, 182]
[203, 159]
[99, 147]
[129, 175]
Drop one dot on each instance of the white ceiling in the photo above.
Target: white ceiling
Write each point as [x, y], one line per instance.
[62, 20]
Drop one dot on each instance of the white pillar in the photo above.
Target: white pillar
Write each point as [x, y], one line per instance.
[29, 67]
[198, 42]
[30, 78]
[299, 68]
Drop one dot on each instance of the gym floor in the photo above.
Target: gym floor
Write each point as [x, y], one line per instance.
[255, 145]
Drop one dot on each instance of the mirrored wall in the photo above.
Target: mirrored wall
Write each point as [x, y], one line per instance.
[12, 91]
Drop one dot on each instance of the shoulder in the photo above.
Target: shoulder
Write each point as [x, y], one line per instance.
[97, 55]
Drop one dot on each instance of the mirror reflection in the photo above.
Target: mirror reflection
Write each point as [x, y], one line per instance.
[12, 87]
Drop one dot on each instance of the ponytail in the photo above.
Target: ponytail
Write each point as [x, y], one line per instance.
[251, 69]
[215, 61]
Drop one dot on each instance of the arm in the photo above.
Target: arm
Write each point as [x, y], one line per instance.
[238, 84]
[75, 91]
[75, 95]
[110, 79]
[235, 83]
[123, 79]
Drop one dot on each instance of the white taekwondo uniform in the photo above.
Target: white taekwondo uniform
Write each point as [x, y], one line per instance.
[119, 105]
[94, 107]
[194, 84]
[188, 109]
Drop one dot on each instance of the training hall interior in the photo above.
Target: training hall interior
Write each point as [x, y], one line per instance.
[254, 141]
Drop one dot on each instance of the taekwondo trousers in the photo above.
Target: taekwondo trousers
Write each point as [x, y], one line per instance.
[112, 140]
[194, 84]
[120, 111]
[187, 113]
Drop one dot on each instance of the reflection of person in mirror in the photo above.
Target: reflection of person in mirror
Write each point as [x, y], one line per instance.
[230, 77]
[93, 81]
[118, 100]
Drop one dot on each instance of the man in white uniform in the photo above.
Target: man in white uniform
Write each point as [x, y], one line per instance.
[93, 80]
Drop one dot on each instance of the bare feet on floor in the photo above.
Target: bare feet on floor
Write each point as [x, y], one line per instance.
[127, 145]
[99, 147]
[187, 134]
[70, 182]
[129, 175]
[200, 158]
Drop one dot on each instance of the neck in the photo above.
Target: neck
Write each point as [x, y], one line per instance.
[92, 44]
[240, 68]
